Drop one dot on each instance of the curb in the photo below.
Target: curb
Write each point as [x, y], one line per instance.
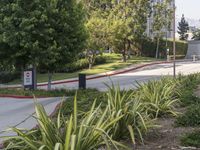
[21, 97]
[98, 76]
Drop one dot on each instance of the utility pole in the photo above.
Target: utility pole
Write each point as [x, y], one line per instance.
[174, 40]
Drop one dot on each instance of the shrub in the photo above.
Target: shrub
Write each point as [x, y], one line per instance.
[181, 47]
[187, 86]
[134, 121]
[148, 48]
[82, 64]
[85, 99]
[191, 117]
[160, 96]
[6, 77]
[43, 93]
[191, 139]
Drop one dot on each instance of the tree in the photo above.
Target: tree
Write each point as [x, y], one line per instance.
[124, 22]
[49, 33]
[161, 17]
[183, 28]
[196, 35]
[96, 28]
[128, 19]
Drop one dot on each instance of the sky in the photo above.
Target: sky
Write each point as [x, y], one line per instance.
[190, 8]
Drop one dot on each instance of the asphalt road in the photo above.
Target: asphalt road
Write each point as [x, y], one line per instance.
[19, 113]
[130, 79]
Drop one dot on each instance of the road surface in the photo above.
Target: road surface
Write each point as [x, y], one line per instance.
[128, 80]
[19, 112]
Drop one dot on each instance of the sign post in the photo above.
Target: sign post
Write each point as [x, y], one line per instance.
[29, 79]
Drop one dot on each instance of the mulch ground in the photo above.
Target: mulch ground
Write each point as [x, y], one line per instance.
[167, 137]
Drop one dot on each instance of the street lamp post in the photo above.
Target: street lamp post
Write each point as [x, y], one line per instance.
[174, 40]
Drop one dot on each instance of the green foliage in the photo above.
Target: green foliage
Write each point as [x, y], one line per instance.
[191, 139]
[161, 20]
[83, 64]
[116, 24]
[183, 28]
[6, 76]
[160, 97]
[85, 99]
[43, 93]
[90, 132]
[191, 117]
[149, 47]
[188, 84]
[45, 32]
[134, 120]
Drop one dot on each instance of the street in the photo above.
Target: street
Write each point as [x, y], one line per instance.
[19, 112]
[130, 79]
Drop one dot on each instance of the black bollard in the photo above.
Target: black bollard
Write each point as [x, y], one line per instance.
[82, 81]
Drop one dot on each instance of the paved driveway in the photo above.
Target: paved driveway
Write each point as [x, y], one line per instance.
[18, 112]
[128, 80]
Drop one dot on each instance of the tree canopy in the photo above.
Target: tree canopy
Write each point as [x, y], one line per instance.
[183, 28]
[47, 32]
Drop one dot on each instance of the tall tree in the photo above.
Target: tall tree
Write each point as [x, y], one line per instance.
[48, 32]
[127, 19]
[183, 28]
[124, 22]
[161, 17]
[97, 37]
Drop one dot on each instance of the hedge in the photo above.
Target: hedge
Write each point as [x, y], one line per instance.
[148, 48]
[82, 64]
[7, 76]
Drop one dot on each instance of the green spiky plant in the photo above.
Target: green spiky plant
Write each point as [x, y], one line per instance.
[91, 132]
[160, 96]
[135, 121]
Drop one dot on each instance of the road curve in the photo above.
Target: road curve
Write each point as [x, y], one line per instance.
[128, 80]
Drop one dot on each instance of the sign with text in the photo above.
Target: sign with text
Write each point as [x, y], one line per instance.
[28, 78]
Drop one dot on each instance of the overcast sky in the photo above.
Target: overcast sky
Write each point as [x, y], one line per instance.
[190, 8]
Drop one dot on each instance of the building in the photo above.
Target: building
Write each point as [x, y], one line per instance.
[150, 20]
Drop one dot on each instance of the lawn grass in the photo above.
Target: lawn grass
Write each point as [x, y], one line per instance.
[114, 62]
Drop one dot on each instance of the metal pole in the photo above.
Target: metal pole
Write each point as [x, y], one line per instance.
[174, 40]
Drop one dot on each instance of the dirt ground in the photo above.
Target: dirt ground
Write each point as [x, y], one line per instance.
[167, 137]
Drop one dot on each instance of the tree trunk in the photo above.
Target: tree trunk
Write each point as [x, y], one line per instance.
[124, 56]
[49, 80]
[124, 52]
[22, 76]
[157, 47]
[129, 50]
[35, 77]
[90, 65]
